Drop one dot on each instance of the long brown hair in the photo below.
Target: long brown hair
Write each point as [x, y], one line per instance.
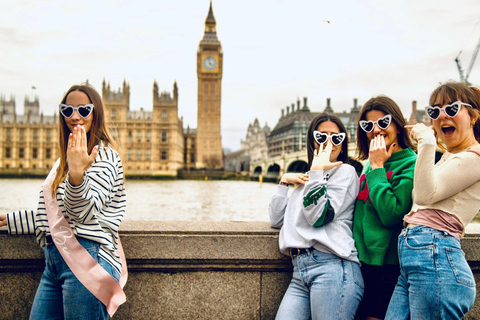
[321, 118]
[388, 106]
[98, 131]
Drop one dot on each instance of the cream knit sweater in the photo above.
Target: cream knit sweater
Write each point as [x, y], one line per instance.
[451, 185]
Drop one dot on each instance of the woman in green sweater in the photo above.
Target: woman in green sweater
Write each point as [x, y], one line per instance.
[385, 197]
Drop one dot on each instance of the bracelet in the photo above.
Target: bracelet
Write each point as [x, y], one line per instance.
[285, 184]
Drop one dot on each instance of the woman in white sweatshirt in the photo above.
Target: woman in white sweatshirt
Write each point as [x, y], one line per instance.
[316, 228]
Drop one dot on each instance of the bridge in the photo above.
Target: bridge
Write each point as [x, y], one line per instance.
[273, 168]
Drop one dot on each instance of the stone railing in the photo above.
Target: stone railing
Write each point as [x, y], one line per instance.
[182, 270]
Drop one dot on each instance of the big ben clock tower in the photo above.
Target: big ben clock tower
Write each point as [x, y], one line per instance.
[209, 73]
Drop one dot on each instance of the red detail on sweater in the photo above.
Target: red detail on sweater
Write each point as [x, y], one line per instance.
[365, 194]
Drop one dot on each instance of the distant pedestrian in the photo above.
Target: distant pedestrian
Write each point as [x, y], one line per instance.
[80, 207]
[385, 197]
[316, 228]
[435, 281]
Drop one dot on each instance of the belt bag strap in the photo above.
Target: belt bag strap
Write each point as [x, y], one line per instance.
[87, 270]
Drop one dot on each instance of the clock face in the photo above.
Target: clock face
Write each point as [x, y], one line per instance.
[209, 63]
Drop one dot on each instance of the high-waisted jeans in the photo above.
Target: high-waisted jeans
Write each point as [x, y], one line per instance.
[435, 280]
[323, 287]
[61, 296]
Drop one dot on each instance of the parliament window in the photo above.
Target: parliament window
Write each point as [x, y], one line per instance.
[7, 153]
[164, 155]
[164, 136]
[48, 153]
[21, 153]
[35, 153]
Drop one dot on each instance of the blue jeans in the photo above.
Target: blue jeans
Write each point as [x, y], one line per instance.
[435, 280]
[61, 296]
[323, 287]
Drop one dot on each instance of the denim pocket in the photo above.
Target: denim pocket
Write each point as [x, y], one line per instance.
[92, 250]
[322, 257]
[419, 241]
[357, 275]
[461, 270]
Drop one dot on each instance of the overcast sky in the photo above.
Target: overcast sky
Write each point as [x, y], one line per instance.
[274, 52]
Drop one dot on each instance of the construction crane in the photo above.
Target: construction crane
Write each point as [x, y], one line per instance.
[464, 78]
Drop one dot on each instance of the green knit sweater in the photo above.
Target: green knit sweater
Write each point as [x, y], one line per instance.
[385, 197]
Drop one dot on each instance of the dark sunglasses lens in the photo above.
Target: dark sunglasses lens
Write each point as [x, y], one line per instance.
[433, 113]
[67, 111]
[337, 139]
[320, 137]
[367, 126]
[84, 111]
[452, 110]
[384, 122]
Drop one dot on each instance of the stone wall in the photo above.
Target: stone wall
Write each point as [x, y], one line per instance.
[182, 270]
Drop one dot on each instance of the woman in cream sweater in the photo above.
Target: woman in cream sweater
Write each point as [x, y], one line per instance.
[435, 280]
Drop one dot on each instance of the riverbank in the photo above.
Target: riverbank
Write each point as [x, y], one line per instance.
[181, 175]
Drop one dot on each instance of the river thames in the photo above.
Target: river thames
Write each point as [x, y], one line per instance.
[166, 200]
[174, 200]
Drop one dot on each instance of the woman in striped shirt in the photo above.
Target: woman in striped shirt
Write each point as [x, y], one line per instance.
[88, 187]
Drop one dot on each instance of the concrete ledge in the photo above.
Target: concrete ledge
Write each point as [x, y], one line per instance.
[182, 270]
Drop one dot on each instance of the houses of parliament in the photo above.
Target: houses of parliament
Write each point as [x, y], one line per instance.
[151, 143]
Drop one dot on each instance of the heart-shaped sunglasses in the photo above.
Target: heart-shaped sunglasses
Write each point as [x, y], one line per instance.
[83, 110]
[321, 137]
[382, 123]
[451, 110]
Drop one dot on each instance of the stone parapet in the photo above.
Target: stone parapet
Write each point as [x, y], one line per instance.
[182, 270]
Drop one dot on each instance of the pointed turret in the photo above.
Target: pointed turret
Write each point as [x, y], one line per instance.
[210, 35]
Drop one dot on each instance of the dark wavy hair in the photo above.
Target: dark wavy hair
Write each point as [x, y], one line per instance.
[388, 106]
[321, 118]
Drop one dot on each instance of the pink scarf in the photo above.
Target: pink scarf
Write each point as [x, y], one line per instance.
[92, 275]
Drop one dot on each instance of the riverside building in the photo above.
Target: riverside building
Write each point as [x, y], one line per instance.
[151, 143]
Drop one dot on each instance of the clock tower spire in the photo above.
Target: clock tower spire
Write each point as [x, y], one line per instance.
[209, 74]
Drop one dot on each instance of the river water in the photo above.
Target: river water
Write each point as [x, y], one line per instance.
[166, 200]
[174, 200]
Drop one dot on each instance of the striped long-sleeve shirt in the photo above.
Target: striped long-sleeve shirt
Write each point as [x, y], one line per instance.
[93, 209]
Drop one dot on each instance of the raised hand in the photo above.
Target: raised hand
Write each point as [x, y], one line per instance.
[378, 153]
[419, 129]
[77, 155]
[295, 178]
[321, 158]
[3, 219]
